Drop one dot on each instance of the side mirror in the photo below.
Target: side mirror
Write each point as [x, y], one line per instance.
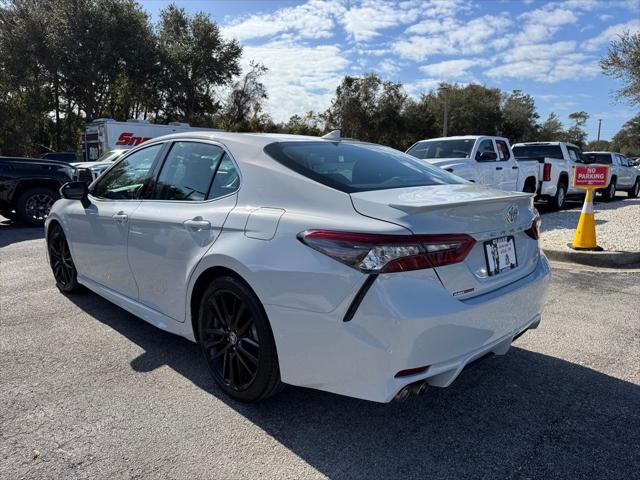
[487, 157]
[75, 191]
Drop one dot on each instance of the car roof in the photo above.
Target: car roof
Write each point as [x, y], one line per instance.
[462, 137]
[546, 143]
[44, 161]
[602, 151]
[256, 139]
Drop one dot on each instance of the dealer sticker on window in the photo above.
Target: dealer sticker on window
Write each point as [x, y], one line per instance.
[500, 254]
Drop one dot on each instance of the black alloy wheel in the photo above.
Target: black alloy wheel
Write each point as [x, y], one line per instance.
[34, 205]
[64, 270]
[236, 340]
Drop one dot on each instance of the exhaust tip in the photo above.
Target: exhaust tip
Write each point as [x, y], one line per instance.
[420, 388]
[403, 394]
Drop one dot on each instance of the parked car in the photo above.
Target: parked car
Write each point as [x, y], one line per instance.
[622, 176]
[67, 157]
[29, 187]
[557, 160]
[480, 159]
[342, 266]
[89, 171]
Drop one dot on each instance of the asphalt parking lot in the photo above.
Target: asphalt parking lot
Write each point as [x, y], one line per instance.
[90, 391]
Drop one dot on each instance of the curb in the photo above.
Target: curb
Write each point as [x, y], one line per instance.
[594, 259]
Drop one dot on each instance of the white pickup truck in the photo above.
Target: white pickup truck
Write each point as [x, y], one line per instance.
[622, 176]
[480, 159]
[556, 160]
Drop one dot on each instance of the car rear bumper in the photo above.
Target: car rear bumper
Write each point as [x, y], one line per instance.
[547, 189]
[406, 320]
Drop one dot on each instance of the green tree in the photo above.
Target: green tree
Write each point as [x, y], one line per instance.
[551, 130]
[242, 110]
[309, 124]
[519, 117]
[627, 140]
[576, 133]
[370, 109]
[472, 109]
[78, 58]
[597, 146]
[195, 61]
[623, 63]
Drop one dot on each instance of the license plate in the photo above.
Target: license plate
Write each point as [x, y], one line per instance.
[501, 255]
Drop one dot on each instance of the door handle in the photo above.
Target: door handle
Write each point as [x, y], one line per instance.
[198, 224]
[515, 167]
[498, 168]
[120, 217]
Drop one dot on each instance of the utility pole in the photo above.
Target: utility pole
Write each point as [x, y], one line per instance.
[599, 125]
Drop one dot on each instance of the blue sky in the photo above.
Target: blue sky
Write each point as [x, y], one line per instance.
[548, 49]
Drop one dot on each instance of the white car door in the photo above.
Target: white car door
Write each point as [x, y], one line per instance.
[486, 163]
[508, 176]
[171, 230]
[99, 229]
[625, 172]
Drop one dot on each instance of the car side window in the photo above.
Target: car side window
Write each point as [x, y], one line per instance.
[187, 171]
[575, 155]
[126, 180]
[227, 179]
[623, 160]
[485, 146]
[504, 154]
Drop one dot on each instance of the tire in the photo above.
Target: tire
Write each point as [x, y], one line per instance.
[62, 266]
[33, 206]
[610, 193]
[633, 193]
[557, 201]
[236, 341]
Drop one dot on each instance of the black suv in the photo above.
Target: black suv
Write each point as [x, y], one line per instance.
[29, 186]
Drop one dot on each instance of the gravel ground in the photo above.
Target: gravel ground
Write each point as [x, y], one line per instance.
[617, 225]
[90, 391]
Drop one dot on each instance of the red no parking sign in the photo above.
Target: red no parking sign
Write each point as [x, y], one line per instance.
[586, 176]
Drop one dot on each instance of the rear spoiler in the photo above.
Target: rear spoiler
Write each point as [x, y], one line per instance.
[433, 206]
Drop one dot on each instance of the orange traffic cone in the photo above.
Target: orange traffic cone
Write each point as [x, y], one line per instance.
[585, 236]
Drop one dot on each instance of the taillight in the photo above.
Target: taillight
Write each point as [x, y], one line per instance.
[546, 172]
[376, 253]
[534, 230]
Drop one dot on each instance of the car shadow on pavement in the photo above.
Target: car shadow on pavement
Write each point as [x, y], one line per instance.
[12, 232]
[522, 415]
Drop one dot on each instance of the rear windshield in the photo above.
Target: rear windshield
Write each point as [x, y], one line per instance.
[549, 151]
[442, 149]
[354, 167]
[597, 158]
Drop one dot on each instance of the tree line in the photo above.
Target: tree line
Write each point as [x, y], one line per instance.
[66, 62]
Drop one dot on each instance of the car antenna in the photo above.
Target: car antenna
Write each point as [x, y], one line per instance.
[333, 135]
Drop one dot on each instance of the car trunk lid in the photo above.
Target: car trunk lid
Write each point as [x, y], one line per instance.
[484, 213]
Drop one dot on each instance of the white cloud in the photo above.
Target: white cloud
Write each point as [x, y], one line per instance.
[449, 69]
[542, 24]
[364, 21]
[605, 17]
[423, 85]
[313, 19]
[609, 34]
[547, 63]
[448, 36]
[389, 66]
[300, 78]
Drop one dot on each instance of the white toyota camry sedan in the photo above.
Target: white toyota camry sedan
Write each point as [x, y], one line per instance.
[325, 263]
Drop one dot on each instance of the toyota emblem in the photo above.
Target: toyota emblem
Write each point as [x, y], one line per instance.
[512, 214]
